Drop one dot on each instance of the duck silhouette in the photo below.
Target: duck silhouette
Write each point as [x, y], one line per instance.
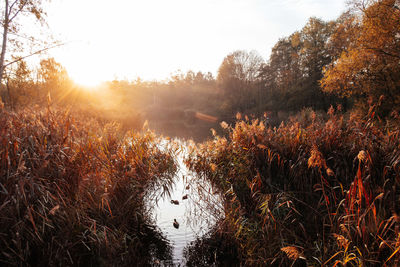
[176, 202]
[176, 224]
[185, 197]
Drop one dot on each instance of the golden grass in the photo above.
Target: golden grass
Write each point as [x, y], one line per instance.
[72, 190]
[326, 186]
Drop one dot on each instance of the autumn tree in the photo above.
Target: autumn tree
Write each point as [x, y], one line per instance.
[238, 77]
[12, 12]
[281, 74]
[314, 56]
[345, 32]
[291, 76]
[20, 20]
[370, 66]
[54, 79]
[20, 85]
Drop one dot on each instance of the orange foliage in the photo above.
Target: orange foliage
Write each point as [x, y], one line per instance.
[369, 64]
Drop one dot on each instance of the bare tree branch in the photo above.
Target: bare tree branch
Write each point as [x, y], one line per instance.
[11, 7]
[16, 13]
[34, 53]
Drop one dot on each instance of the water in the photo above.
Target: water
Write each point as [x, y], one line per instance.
[195, 215]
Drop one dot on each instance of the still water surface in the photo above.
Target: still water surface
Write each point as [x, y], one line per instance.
[195, 215]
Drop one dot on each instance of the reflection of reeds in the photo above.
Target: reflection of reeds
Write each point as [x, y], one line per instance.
[326, 188]
[206, 205]
[72, 188]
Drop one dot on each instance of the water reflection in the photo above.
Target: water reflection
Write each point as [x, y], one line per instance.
[196, 214]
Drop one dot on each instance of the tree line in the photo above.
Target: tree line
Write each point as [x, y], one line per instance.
[352, 61]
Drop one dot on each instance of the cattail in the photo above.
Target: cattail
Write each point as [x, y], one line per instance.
[330, 172]
[362, 155]
[214, 133]
[344, 229]
[291, 252]
[316, 159]
[341, 241]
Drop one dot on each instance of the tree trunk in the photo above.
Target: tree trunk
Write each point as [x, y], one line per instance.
[4, 45]
[9, 96]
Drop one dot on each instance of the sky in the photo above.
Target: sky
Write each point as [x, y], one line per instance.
[151, 39]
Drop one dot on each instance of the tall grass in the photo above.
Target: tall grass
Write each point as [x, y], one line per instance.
[72, 190]
[313, 191]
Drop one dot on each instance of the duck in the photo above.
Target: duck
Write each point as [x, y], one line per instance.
[185, 197]
[176, 202]
[176, 224]
[187, 187]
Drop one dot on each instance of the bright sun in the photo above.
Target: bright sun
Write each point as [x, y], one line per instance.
[86, 80]
[84, 69]
[152, 39]
[83, 65]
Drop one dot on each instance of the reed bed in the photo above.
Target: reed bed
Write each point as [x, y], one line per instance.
[318, 190]
[73, 190]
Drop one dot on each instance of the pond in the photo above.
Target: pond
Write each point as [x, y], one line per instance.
[196, 214]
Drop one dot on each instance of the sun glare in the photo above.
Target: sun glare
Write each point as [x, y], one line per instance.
[86, 81]
[152, 39]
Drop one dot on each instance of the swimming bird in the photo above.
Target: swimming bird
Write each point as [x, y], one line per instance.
[176, 202]
[176, 224]
[187, 187]
[185, 197]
